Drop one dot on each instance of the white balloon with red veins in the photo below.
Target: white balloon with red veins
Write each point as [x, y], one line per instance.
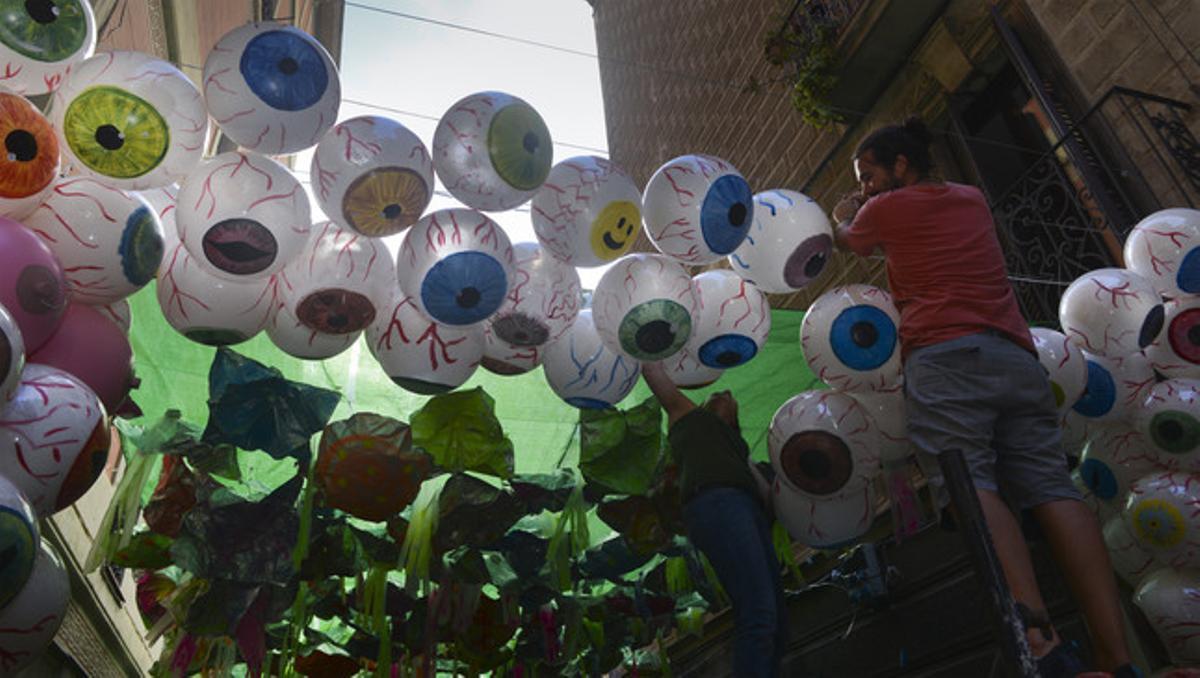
[272, 88]
[1160, 510]
[1111, 312]
[338, 279]
[372, 176]
[41, 43]
[1129, 558]
[589, 211]
[242, 216]
[19, 537]
[584, 372]
[851, 340]
[645, 307]
[420, 355]
[1065, 366]
[697, 209]
[300, 341]
[1176, 352]
[54, 438]
[886, 410]
[130, 120]
[492, 151]
[109, 241]
[823, 443]
[542, 301]
[162, 201]
[829, 521]
[1164, 248]
[1169, 418]
[12, 356]
[1170, 599]
[505, 359]
[789, 244]
[1115, 457]
[120, 313]
[686, 371]
[733, 322]
[29, 623]
[457, 265]
[1116, 387]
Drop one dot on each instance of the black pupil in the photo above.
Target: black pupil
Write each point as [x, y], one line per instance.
[814, 464]
[814, 266]
[655, 336]
[337, 320]
[21, 145]
[1170, 430]
[1151, 326]
[392, 211]
[41, 11]
[530, 142]
[729, 358]
[467, 297]
[288, 66]
[737, 214]
[1193, 335]
[109, 137]
[521, 336]
[864, 334]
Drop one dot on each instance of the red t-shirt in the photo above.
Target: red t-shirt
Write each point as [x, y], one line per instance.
[944, 263]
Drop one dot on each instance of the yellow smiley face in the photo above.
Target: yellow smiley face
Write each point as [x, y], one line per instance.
[614, 231]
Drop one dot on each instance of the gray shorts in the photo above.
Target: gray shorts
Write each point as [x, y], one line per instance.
[990, 398]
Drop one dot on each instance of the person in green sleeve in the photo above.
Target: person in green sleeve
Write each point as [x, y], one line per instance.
[724, 510]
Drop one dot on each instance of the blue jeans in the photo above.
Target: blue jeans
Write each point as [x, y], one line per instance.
[729, 527]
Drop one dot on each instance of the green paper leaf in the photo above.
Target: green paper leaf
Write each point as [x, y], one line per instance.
[622, 450]
[474, 512]
[543, 491]
[460, 430]
[146, 551]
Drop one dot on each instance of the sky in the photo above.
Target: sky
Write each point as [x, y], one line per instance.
[423, 68]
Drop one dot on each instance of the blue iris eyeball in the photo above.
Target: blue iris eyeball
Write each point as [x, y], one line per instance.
[850, 339]
[697, 209]
[464, 288]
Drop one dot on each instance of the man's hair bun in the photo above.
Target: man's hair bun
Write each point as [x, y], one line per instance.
[915, 127]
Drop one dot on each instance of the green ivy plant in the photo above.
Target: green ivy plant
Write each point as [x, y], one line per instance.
[806, 50]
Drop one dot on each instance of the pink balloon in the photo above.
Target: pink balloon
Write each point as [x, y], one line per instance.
[32, 285]
[95, 350]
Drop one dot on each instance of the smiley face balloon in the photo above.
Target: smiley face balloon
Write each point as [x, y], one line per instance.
[457, 265]
[588, 213]
[109, 241]
[30, 161]
[271, 88]
[372, 175]
[492, 151]
[850, 339]
[644, 307]
[242, 216]
[733, 322]
[337, 280]
[420, 355]
[40, 42]
[697, 209]
[32, 286]
[18, 540]
[31, 620]
[131, 120]
[789, 243]
[586, 374]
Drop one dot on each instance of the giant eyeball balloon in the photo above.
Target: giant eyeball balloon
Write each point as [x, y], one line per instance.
[823, 443]
[686, 370]
[886, 410]
[1170, 599]
[334, 284]
[271, 88]
[162, 201]
[697, 209]
[826, 522]
[419, 354]
[372, 175]
[18, 541]
[109, 241]
[1160, 510]
[29, 623]
[1115, 386]
[1077, 432]
[128, 118]
[1169, 418]
[584, 372]
[1129, 558]
[242, 215]
[1111, 312]
[1064, 363]
[40, 42]
[589, 211]
[32, 286]
[94, 350]
[733, 322]
[542, 301]
[505, 359]
[301, 341]
[54, 438]
[789, 244]
[30, 161]
[1176, 352]
[850, 339]
[492, 151]
[644, 307]
[1116, 457]
[208, 309]
[12, 356]
[457, 265]
[1164, 248]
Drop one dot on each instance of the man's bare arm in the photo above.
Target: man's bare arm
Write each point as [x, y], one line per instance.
[669, 396]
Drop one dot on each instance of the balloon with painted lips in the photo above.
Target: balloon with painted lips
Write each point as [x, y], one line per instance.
[823, 443]
[30, 621]
[242, 216]
[30, 161]
[372, 175]
[585, 373]
[789, 244]
[850, 338]
[131, 120]
[644, 307]
[272, 88]
[32, 286]
[40, 42]
[1111, 312]
[1164, 248]
[588, 212]
[1065, 366]
[733, 322]
[419, 354]
[697, 209]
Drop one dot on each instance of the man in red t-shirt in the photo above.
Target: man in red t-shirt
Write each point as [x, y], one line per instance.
[973, 381]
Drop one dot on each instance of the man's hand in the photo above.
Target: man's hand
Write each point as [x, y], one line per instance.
[669, 396]
[847, 207]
